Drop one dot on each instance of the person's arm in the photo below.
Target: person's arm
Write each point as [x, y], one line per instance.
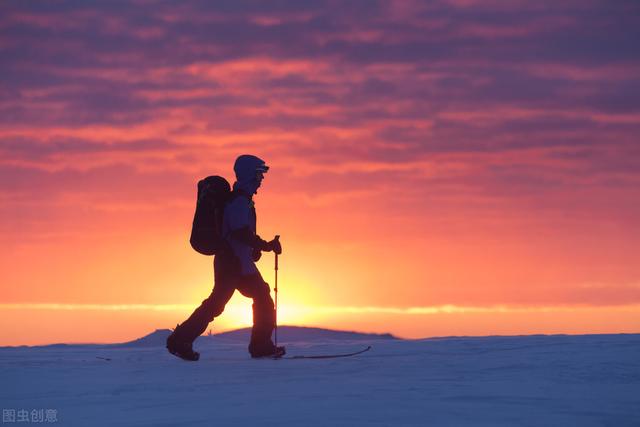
[246, 236]
[238, 217]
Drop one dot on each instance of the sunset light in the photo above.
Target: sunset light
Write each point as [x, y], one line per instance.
[436, 168]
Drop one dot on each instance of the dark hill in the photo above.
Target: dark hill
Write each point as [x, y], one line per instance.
[156, 338]
[285, 334]
[302, 333]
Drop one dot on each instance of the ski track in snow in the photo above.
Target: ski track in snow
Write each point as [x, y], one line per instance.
[591, 380]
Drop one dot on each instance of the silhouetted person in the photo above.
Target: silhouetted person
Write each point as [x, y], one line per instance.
[234, 268]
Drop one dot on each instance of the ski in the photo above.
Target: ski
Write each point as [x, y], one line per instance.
[326, 356]
[317, 356]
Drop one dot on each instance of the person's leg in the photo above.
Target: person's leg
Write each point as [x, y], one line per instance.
[213, 306]
[209, 309]
[263, 313]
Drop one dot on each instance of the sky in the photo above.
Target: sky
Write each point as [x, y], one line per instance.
[450, 167]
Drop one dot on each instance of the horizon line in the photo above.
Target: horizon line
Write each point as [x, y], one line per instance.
[394, 336]
[412, 310]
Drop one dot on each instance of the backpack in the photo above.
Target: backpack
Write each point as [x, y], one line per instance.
[206, 232]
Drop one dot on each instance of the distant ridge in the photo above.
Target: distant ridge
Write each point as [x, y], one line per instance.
[158, 337]
[303, 333]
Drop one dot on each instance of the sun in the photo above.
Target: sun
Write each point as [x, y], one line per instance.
[238, 314]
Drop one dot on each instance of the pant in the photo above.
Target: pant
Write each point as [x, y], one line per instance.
[228, 278]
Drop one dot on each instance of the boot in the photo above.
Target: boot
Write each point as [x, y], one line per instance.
[180, 347]
[261, 344]
[271, 351]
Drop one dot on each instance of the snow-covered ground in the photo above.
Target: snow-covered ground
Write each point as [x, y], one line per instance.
[530, 381]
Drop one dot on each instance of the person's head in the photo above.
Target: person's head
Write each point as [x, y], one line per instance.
[249, 172]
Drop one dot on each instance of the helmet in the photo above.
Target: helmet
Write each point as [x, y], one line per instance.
[247, 165]
[247, 168]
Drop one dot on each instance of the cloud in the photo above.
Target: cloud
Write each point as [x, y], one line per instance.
[454, 309]
[117, 182]
[325, 310]
[22, 148]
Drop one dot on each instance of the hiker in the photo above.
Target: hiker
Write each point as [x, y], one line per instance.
[235, 268]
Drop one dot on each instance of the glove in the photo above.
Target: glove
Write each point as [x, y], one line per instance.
[275, 246]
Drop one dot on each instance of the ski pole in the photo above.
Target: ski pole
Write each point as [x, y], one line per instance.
[275, 312]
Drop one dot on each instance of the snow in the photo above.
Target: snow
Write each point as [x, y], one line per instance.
[590, 380]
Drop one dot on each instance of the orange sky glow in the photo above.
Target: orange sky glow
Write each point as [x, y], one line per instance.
[438, 168]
